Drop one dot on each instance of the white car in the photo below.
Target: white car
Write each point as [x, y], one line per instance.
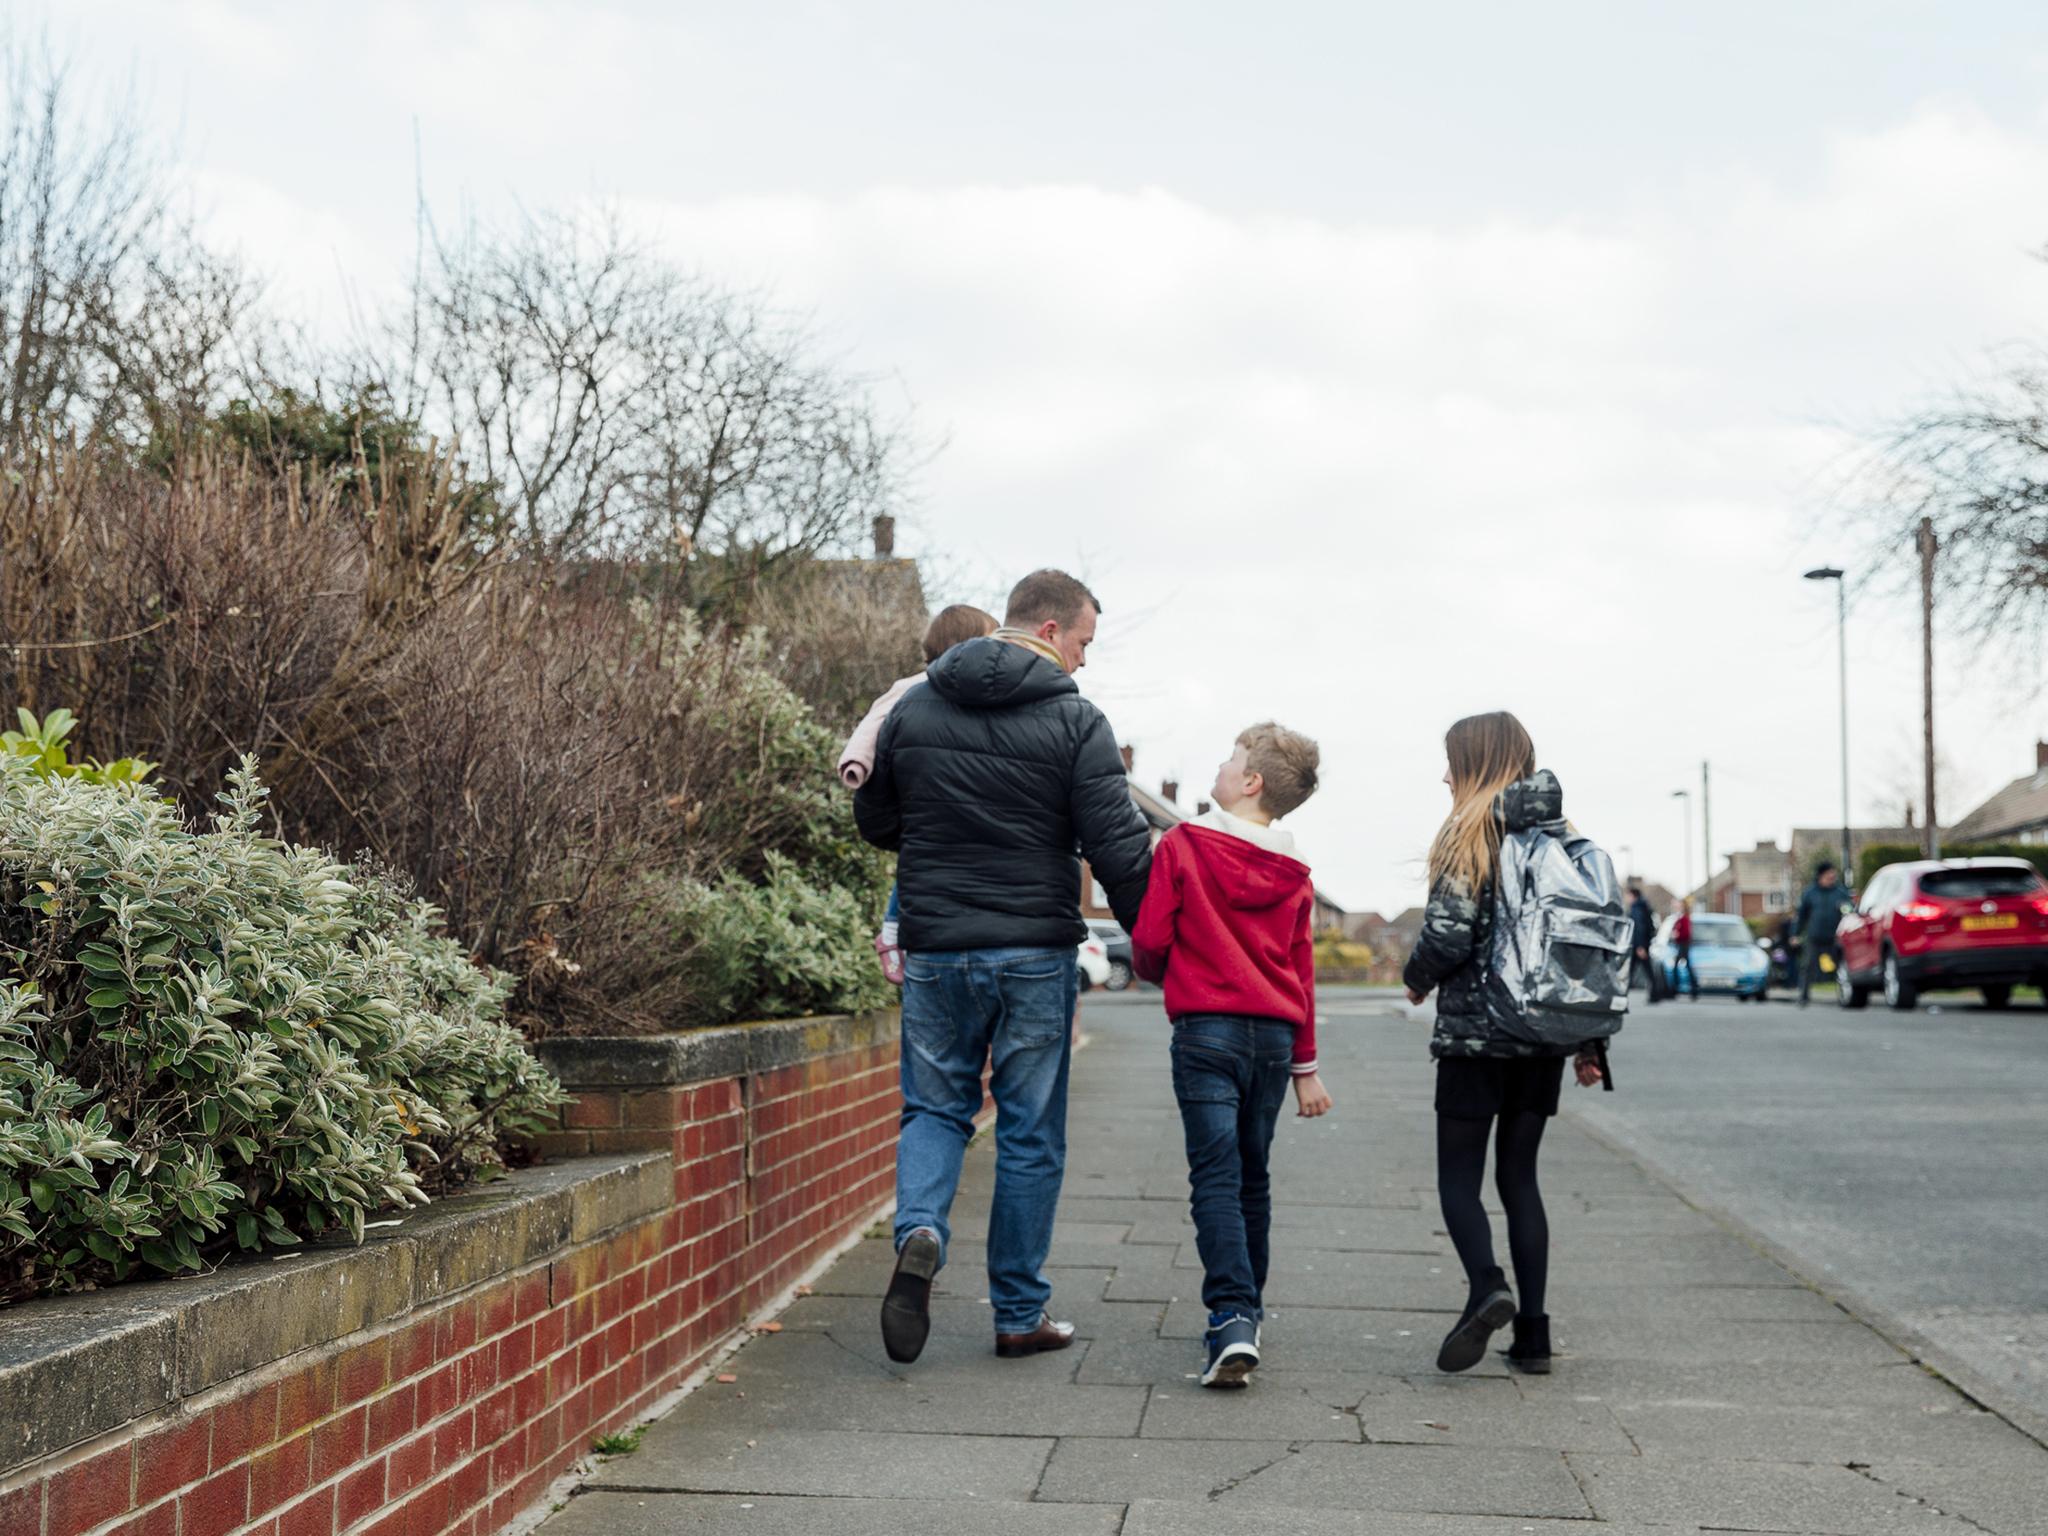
[1094, 959]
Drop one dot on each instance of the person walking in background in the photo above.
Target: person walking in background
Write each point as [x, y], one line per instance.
[952, 625]
[1485, 1076]
[1820, 915]
[990, 783]
[1681, 953]
[1642, 924]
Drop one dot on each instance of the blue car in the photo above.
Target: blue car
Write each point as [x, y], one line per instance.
[1725, 956]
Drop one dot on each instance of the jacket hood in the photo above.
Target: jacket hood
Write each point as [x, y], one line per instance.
[1533, 801]
[1252, 867]
[993, 674]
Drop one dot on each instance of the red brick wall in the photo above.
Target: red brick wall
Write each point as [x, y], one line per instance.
[458, 1417]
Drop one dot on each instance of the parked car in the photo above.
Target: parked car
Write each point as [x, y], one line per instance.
[1725, 956]
[1094, 963]
[1945, 922]
[1118, 944]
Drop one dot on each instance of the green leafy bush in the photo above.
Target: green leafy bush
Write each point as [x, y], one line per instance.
[43, 745]
[787, 946]
[209, 1038]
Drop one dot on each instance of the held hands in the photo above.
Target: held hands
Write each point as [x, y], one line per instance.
[1310, 1096]
[1587, 1066]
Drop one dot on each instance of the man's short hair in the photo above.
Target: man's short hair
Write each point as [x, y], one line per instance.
[1046, 595]
[1286, 760]
[1825, 869]
[952, 625]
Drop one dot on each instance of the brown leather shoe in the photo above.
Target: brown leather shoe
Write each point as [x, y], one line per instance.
[1047, 1335]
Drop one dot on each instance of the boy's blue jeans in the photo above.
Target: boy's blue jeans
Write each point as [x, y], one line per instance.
[960, 1007]
[1230, 1076]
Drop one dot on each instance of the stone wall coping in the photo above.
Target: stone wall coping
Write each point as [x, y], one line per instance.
[74, 1367]
[676, 1057]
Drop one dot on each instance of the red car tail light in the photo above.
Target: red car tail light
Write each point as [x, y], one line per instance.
[1919, 911]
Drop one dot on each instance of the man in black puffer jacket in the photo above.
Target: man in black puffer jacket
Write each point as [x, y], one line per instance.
[991, 779]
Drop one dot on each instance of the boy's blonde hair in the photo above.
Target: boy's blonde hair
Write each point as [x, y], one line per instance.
[1286, 760]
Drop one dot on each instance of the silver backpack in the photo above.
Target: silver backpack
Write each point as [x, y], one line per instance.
[1559, 954]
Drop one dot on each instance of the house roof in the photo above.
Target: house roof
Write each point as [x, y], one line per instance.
[1766, 867]
[2021, 804]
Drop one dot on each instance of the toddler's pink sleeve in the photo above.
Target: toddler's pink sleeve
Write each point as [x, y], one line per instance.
[857, 757]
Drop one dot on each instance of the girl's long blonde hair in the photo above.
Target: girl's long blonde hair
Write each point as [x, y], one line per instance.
[1487, 754]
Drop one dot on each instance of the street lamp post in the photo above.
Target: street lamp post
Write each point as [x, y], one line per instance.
[1686, 796]
[1841, 581]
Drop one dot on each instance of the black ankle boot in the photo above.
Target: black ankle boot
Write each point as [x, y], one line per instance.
[1531, 1349]
[1489, 1307]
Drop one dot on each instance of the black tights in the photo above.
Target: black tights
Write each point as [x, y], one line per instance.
[1460, 1171]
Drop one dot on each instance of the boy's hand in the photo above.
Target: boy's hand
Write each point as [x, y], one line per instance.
[1587, 1066]
[1310, 1096]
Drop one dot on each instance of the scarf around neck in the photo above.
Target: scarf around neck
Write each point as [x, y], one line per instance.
[1030, 642]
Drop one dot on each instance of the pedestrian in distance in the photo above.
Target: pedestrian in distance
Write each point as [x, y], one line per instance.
[1820, 916]
[1681, 953]
[991, 782]
[951, 626]
[1228, 929]
[1642, 924]
[1497, 1073]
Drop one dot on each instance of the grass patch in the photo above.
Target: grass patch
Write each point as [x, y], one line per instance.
[625, 1443]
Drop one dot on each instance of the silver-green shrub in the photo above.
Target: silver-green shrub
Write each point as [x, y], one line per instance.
[210, 1038]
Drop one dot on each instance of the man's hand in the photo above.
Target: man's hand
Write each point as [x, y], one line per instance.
[1310, 1096]
[1587, 1066]
[1415, 996]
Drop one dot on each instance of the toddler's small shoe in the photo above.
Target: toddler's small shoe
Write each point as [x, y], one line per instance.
[891, 956]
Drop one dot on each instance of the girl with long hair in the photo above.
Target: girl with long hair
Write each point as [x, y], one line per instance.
[1485, 1076]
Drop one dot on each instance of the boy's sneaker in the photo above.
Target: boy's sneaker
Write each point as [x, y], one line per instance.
[1233, 1345]
[891, 956]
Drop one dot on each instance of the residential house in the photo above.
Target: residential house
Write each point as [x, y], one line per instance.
[1757, 882]
[2018, 813]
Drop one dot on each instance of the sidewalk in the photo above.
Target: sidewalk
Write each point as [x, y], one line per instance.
[1701, 1385]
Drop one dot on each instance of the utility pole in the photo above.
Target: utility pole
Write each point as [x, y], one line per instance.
[1686, 796]
[1707, 833]
[1930, 836]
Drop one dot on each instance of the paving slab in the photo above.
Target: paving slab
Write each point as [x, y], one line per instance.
[1439, 1480]
[1445, 1411]
[600, 1513]
[1754, 1496]
[831, 1463]
[1035, 1403]
[1086, 1471]
[1954, 1435]
[1271, 1408]
[1156, 1517]
[2013, 1502]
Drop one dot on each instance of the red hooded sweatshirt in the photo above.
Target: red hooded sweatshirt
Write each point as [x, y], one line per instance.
[1227, 926]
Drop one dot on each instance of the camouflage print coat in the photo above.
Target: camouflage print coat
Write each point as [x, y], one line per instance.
[1450, 955]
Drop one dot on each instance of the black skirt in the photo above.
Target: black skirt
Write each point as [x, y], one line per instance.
[1481, 1087]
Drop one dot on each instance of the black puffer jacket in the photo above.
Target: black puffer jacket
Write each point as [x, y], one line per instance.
[988, 778]
[1450, 955]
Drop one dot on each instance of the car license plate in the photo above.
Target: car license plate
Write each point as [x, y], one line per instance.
[1995, 920]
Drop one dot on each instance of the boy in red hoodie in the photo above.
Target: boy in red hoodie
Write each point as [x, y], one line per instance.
[1227, 928]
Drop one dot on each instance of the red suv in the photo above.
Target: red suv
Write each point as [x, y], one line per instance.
[1945, 923]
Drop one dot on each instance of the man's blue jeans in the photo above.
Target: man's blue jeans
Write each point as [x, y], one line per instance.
[960, 1007]
[1230, 1076]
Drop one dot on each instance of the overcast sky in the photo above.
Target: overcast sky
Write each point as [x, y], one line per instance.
[1376, 363]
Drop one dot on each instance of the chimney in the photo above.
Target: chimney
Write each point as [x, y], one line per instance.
[1201, 807]
[1128, 756]
[885, 538]
[2040, 755]
[1170, 791]
[1909, 815]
